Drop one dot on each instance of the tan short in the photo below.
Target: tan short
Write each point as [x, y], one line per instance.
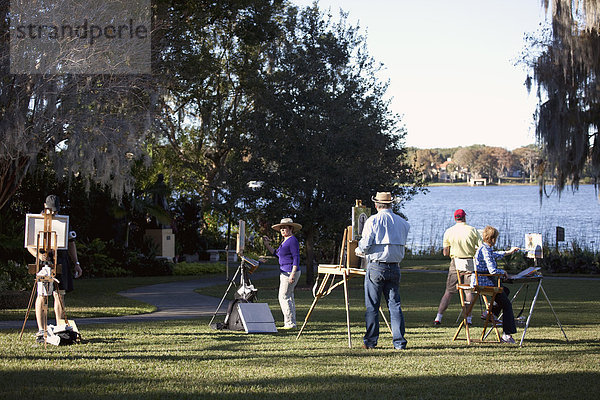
[452, 279]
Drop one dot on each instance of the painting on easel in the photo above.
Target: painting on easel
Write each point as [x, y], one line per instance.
[533, 245]
[360, 214]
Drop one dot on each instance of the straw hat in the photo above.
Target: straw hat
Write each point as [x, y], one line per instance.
[287, 222]
[383, 197]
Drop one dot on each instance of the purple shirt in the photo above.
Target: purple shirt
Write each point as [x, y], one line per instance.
[288, 254]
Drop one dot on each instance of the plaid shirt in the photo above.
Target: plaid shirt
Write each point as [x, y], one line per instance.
[485, 263]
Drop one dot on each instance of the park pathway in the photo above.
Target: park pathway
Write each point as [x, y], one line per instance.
[176, 300]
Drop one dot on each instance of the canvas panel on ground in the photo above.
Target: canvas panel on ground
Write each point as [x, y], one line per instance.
[257, 318]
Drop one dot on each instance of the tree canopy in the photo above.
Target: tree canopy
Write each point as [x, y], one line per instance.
[91, 125]
[322, 135]
[565, 66]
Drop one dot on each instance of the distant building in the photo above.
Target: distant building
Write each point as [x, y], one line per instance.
[478, 181]
[450, 172]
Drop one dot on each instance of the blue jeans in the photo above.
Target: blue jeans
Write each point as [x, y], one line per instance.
[383, 277]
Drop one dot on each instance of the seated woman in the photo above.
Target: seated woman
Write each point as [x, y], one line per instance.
[485, 263]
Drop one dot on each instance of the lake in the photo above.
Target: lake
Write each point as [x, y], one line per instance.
[513, 210]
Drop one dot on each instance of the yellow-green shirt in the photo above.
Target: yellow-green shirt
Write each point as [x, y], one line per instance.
[463, 240]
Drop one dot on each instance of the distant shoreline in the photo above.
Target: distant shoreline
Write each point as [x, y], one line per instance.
[489, 184]
[430, 184]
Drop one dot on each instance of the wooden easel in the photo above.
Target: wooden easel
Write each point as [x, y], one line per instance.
[346, 269]
[47, 243]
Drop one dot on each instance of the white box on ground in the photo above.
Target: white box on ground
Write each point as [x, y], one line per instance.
[257, 318]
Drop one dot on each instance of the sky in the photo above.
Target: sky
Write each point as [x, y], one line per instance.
[451, 66]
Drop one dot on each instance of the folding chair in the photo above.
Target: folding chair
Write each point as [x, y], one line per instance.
[488, 294]
[466, 306]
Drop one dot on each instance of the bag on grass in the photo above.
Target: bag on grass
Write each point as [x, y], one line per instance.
[233, 320]
[61, 336]
[68, 337]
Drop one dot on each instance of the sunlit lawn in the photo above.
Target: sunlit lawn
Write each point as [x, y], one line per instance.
[98, 298]
[186, 359]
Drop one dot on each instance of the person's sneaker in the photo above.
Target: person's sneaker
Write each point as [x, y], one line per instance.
[507, 339]
[437, 323]
[364, 346]
[288, 328]
[39, 336]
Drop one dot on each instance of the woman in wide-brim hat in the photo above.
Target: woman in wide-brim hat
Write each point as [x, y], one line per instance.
[288, 254]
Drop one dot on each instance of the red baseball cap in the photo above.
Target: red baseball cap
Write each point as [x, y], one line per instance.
[460, 214]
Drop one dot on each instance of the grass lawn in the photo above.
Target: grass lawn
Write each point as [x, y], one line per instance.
[186, 359]
[98, 298]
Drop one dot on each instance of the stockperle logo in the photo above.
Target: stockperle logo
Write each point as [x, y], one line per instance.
[80, 37]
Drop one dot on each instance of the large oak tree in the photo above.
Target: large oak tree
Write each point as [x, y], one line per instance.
[322, 133]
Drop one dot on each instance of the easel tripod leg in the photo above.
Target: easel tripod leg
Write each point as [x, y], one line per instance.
[385, 319]
[314, 303]
[517, 293]
[312, 307]
[45, 318]
[537, 291]
[28, 308]
[345, 276]
[224, 295]
[555, 316]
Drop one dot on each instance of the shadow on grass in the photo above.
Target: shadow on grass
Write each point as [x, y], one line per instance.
[51, 383]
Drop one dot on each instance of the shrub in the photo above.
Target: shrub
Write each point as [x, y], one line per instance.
[185, 268]
[576, 260]
[106, 259]
[148, 265]
[14, 276]
[97, 261]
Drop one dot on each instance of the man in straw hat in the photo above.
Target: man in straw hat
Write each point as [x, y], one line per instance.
[460, 243]
[382, 243]
[289, 271]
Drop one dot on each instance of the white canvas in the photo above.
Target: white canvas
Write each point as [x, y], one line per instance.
[34, 223]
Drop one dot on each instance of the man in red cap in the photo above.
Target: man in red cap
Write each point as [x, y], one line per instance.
[461, 241]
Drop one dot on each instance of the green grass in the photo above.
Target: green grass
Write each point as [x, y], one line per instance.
[186, 359]
[98, 298]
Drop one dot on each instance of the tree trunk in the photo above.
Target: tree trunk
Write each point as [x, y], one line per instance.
[310, 257]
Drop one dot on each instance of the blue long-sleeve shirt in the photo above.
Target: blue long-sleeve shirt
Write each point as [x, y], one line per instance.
[384, 237]
[485, 262]
[288, 254]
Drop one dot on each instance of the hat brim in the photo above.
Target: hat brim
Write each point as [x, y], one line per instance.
[296, 226]
[383, 201]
